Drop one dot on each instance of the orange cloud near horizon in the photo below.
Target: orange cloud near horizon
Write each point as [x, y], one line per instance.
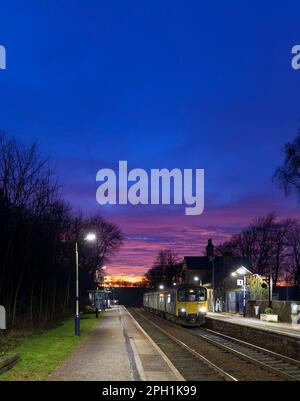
[147, 233]
[124, 280]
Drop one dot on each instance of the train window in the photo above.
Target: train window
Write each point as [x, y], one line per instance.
[181, 295]
[191, 296]
[201, 294]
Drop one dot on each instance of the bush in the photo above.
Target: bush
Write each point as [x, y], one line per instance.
[89, 309]
[269, 311]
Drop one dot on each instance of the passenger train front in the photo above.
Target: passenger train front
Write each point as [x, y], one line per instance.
[183, 304]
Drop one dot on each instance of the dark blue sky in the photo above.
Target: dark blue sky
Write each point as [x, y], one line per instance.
[160, 84]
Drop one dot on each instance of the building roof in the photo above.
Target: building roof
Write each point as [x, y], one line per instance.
[223, 266]
[201, 262]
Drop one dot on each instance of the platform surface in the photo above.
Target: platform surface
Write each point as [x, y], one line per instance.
[278, 328]
[116, 349]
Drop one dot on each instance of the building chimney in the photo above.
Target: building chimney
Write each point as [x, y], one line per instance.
[209, 249]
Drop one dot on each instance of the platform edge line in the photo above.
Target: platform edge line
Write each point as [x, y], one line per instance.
[163, 355]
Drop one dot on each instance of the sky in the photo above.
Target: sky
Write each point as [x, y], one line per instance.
[159, 84]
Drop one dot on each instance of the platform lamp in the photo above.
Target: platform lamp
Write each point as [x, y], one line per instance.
[90, 237]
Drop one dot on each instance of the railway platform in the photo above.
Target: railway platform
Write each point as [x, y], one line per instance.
[286, 329]
[117, 349]
[282, 338]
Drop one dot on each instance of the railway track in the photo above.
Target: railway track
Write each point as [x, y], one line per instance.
[239, 360]
[191, 364]
[279, 364]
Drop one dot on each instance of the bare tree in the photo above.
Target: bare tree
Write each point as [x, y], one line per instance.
[37, 235]
[25, 178]
[265, 243]
[109, 241]
[278, 260]
[293, 244]
[288, 174]
[165, 269]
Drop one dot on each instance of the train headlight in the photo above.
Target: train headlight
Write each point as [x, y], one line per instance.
[182, 311]
[202, 309]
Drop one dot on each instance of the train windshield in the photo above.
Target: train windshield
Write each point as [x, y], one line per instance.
[192, 295]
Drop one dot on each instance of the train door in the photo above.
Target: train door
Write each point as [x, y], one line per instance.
[168, 302]
[173, 302]
[162, 302]
[156, 301]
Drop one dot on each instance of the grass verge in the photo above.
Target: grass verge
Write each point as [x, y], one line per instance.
[41, 353]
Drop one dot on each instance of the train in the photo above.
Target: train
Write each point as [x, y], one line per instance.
[185, 304]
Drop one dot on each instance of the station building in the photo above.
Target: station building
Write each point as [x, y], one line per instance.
[216, 272]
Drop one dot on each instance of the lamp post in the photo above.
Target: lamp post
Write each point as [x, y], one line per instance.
[244, 296]
[212, 260]
[77, 316]
[90, 237]
[270, 288]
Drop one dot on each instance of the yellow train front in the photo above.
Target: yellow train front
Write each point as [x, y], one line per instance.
[184, 304]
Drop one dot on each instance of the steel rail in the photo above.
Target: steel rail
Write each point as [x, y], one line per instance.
[281, 365]
[195, 353]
